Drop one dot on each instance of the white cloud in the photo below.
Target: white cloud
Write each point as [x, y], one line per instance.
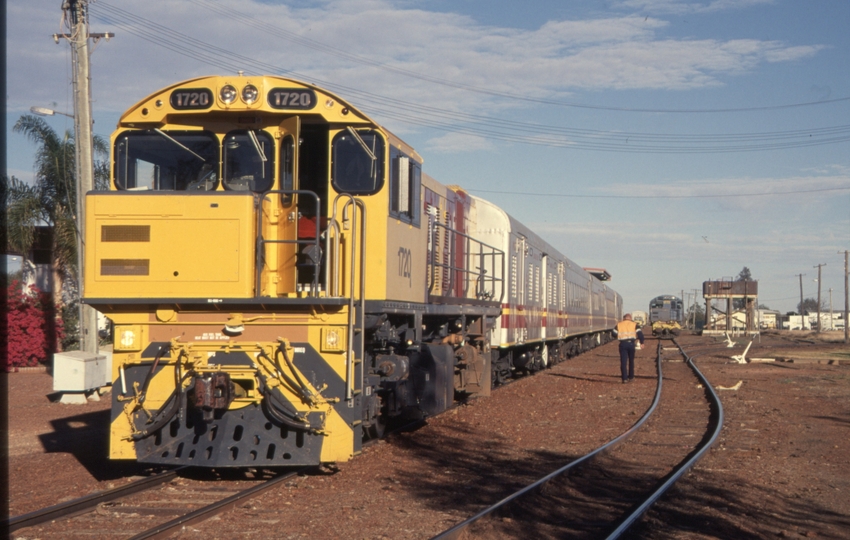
[679, 7]
[458, 142]
[559, 56]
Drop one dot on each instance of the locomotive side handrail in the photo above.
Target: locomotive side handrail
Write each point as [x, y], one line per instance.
[358, 254]
[486, 285]
[261, 242]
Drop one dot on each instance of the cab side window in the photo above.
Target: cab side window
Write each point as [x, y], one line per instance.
[405, 182]
[357, 162]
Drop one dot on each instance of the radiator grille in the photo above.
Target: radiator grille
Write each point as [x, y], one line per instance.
[125, 267]
[125, 233]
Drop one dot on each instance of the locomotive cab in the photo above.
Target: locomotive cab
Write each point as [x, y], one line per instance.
[283, 166]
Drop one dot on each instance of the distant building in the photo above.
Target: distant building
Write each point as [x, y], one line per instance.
[640, 317]
[768, 319]
[738, 320]
[829, 322]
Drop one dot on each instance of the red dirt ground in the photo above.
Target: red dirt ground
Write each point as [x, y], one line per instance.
[779, 469]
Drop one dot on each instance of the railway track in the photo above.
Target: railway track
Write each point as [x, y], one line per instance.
[604, 492]
[172, 501]
[115, 511]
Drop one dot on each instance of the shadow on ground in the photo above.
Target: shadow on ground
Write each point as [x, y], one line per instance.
[86, 437]
[569, 507]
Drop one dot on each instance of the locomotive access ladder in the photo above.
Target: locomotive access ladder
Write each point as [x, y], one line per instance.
[351, 217]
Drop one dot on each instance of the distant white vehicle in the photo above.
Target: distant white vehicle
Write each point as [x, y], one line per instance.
[640, 317]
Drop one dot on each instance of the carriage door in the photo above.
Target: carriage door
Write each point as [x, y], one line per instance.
[283, 218]
[562, 299]
[523, 276]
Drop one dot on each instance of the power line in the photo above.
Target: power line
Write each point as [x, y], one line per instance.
[276, 31]
[477, 125]
[779, 299]
[714, 196]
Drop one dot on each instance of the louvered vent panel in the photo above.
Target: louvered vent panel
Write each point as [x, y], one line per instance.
[125, 233]
[125, 267]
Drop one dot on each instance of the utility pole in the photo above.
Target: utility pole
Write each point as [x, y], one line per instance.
[819, 266]
[802, 320]
[696, 293]
[76, 17]
[830, 308]
[846, 298]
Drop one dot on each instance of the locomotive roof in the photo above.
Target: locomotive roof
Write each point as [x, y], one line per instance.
[156, 107]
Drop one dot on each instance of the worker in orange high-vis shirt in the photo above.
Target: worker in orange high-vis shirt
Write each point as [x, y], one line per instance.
[627, 332]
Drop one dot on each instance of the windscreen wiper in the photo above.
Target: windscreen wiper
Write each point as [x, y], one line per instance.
[360, 140]
[256, 142]
[178, 143]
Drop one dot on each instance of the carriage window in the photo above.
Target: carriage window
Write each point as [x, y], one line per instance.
[405, 181]
[248, 161]
[166, 160]
[358, 162]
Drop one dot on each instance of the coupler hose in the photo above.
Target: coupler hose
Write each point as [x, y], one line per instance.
[171, 406]
[305, 392]
[280, 411]
[159, 354]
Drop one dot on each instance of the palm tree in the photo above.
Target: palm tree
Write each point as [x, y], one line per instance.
[51, 201]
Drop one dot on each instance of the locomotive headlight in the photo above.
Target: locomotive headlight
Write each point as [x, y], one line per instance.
[249, 94]
[227, 94]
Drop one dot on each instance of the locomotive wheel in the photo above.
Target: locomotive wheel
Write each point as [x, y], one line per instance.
[378, 424]
[377, 429]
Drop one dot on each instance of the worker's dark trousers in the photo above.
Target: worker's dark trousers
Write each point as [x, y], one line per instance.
[627, 358]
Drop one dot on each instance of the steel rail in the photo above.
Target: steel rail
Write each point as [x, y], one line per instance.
[166, 529]
[457, 530]
[680, 470]
[83, 504]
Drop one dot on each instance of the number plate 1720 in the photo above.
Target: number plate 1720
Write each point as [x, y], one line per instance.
[291, 98]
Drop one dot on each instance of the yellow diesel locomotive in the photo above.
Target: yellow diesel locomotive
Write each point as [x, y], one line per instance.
[666, 315]
[285, 281]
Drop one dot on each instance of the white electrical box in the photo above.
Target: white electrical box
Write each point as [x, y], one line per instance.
[78, 371]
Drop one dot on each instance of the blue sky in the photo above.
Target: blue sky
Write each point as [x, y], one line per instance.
[669, 142]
